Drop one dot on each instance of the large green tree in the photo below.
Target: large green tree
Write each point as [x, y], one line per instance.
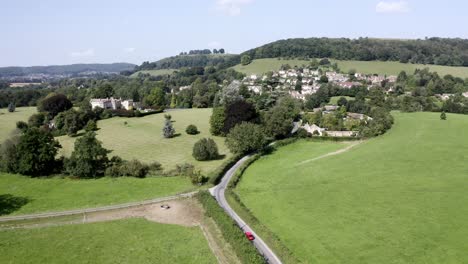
[156, 99]
[245, 138]
[54, 104]
[89, 157]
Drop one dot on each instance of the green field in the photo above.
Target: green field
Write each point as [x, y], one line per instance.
[56, 194]
[398, 198]
[124, 241]
[154, 72]
[8, 120]
[261, 66]
[142, 139]
[334, 99]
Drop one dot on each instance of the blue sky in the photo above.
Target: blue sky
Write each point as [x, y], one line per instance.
[46, 32]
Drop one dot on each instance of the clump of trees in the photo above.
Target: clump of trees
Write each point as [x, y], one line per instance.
[32, 153]
[88, 159]
[54, 104]
[245, 138]
[205, 149]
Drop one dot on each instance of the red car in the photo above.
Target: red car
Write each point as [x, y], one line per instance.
[249, 236]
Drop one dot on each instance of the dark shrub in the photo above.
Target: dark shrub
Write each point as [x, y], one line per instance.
[205, 149]
[302, 133]
[192, 130]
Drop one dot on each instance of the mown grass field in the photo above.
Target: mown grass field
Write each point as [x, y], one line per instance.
[334, 99]
[123, 241]
[154, 72]
[57, 194]
[261, 66]
[142, 139]
[398, 198]
[8, 120]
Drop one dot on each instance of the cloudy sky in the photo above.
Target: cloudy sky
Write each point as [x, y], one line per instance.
[46, 32]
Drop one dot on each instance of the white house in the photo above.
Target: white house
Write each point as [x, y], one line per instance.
[113, 103]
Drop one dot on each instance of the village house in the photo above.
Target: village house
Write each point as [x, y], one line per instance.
[444, 97]
[341, 133]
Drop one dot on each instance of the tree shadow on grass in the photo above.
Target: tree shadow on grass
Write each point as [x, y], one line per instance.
[10, 203]
[177, 135]
[220, 157]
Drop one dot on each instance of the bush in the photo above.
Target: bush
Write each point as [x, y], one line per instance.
[192, 130]
[205, 149]
[234, 235]
[245, 138]
[302, 133]
[21, 125]
[167, 116]
[133, 168]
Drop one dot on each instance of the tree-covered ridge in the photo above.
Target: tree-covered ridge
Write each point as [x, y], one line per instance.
[439, 51]
[65, 69]
[196, 60]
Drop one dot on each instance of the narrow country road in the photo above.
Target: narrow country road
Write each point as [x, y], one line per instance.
[218, 193]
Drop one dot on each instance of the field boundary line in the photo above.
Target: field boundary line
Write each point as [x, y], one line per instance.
[96, 209]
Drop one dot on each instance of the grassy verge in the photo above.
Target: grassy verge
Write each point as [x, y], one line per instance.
[244, 249]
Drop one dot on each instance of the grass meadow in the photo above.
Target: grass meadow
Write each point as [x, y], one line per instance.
[155, 72]
[398, 198]
[261, 66]
[8, 120]
[57, 194]
[142, 139]
[123, 241]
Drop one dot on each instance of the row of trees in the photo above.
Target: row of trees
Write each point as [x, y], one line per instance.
[197, 60]
[204, 51]
[440, 51]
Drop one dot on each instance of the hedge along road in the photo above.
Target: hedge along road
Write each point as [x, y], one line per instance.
[218, 193]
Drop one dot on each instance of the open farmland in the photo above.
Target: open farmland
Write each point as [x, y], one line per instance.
[142, 139]
[123, 241]
[398, 198]
[8, 120]
[261, 66]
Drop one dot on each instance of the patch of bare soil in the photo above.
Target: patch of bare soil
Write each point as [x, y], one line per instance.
[185, 212]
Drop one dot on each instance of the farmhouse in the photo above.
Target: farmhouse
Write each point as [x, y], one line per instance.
[113, 103]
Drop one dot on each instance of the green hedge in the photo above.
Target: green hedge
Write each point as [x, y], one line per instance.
[244, 249]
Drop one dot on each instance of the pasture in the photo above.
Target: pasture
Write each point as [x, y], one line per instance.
[154, 72]
[398, 198]
[8, 120]
[123, 241]
[142, 139]
[261, 66]
[33, 195]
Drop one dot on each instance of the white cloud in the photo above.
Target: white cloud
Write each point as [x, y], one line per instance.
[214, 44]
[83, 53]
[392, 7]
[232, 7]
[129, 50]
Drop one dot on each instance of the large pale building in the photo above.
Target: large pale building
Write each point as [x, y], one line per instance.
[113, 103]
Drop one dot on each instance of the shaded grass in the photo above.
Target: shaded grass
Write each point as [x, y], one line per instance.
[123, 241]
[399, 198]
[261, 66]
[142, 139]
[8, 120]
[56, 194]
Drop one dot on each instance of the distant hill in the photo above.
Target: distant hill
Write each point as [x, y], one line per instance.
[73, 69]
[197, 60]
[438, 51]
